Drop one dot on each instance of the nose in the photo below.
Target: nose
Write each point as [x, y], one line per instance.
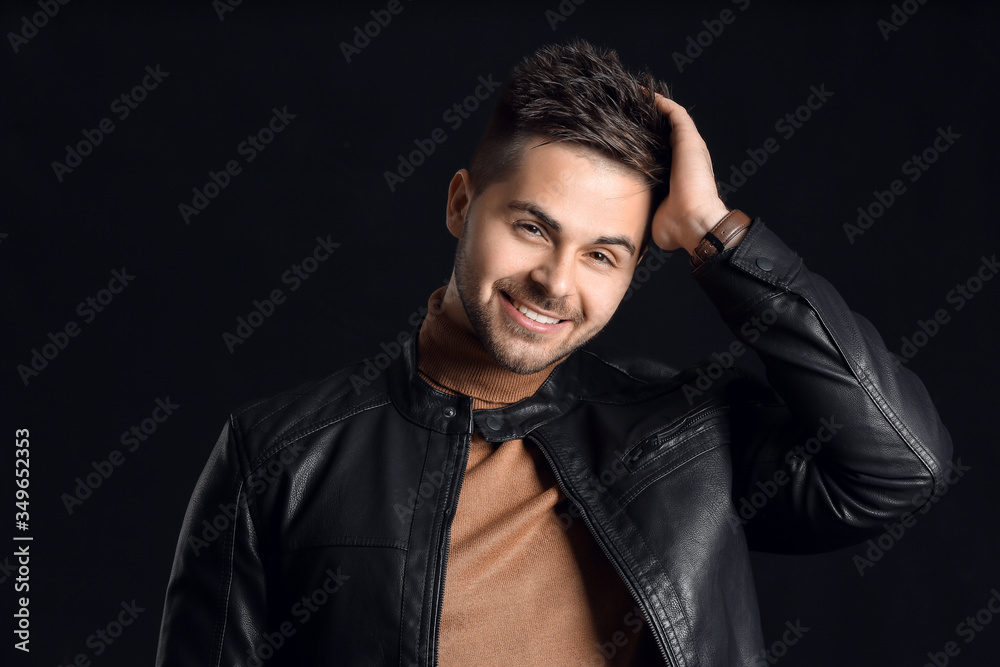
[556, 274]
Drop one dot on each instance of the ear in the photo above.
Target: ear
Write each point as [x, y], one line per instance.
[459, 199]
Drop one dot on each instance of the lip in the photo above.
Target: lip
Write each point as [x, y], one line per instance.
[529, 323]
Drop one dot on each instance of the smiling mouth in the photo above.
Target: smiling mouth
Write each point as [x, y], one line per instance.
[529, 313]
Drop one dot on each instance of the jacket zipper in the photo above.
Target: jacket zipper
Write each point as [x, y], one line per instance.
[450, 517]
[643, 604]
[713, 409]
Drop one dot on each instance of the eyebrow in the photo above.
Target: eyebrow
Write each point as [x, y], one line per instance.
[535, 210]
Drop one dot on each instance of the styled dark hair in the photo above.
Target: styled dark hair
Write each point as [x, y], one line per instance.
[578, 93]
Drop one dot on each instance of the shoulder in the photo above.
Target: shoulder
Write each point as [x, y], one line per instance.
[609, 370]
[266, 424]
[616, 363]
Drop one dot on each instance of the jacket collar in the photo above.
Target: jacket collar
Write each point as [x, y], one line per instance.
[438, 411]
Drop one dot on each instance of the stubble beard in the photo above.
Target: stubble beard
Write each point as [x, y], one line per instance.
[511, 345]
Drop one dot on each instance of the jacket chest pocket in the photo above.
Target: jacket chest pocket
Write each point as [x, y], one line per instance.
[678, 442]
[672, 447]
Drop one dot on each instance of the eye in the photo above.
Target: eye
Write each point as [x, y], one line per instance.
[602, 258]
[531, 228]
[534, 230]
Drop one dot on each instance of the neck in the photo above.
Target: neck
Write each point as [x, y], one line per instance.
[452, 357]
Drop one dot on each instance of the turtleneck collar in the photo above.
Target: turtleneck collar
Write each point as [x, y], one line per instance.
[453, 358]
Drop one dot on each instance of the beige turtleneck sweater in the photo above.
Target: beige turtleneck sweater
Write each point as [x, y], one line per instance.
[520, 588]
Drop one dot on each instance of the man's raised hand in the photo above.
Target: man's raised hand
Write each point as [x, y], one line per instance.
[693, 205]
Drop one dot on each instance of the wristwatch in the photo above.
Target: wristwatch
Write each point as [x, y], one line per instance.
[715, 240]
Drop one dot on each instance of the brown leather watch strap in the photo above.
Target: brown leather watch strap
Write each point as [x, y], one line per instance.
[716, 239]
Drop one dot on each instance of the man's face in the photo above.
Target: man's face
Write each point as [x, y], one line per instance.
[552, 238]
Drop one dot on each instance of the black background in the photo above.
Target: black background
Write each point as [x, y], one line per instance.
[324, 176]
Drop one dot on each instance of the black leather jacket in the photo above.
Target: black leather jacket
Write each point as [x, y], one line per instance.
[318, 532]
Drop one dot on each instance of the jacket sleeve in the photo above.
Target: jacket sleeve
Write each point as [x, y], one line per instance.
[215, 609]
[846, 440]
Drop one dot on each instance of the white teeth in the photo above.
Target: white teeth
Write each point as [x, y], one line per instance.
[532, 315]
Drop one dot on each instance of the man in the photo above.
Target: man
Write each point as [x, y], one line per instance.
[498, 495]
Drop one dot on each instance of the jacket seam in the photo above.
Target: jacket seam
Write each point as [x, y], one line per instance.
[904, 433]
[277, 436]
[406, 561]
[654, 598]
[860, 375]
[277, 444]
[614, 366]
[653, 476]
[360, 541]
[290, 401]
[297, 397]
[652, 594]
[865, 382]
[445, 501]
[225, 591]
[705, 406]
[229, 584]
